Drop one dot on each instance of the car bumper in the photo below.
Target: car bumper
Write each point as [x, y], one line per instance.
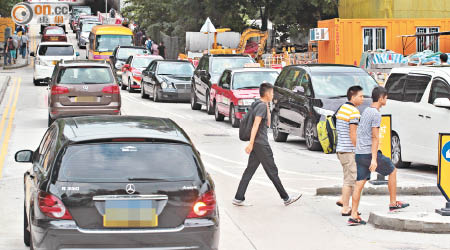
[70, 111]
[65, 235]
[240, 111]
[176, 95]
[41, 72]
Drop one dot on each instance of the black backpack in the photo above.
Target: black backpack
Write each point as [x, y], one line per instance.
[246, 124]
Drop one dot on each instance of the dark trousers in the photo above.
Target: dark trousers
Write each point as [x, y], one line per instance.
[261, 154]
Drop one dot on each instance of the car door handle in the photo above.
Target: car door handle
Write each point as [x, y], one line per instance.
[428, 117]
[421, 116]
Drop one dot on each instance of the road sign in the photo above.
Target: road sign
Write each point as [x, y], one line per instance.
[444, 171]
[385, 145]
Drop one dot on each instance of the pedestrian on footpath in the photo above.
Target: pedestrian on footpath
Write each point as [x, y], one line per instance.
[155, 50]
[347, 119]
[15, 38]
[9, 45]
[24, 43]
[162, 49]
[148, 44]
[370, 159]
[260, 151]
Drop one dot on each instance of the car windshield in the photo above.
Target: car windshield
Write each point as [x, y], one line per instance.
[56, 50]
[219, 64]
[141, 62]
[85, 75]
[119, 162]
[107, 43]
[82, 10]
[176, 68]
[124, 53]
[252, 79]
[336, 84]
[87, 27]
[54, 32]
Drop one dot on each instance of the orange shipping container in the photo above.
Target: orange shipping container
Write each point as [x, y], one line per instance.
[348, 38]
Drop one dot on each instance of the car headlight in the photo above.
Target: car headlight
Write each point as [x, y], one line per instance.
[324, 112]
[246, 102]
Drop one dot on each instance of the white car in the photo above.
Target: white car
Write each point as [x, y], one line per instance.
[47, 55]
[419, 102]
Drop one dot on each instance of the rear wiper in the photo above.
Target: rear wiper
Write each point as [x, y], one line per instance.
[90, 83]
[145, 179]
[337, 97]
[249, 87]
[165, 74]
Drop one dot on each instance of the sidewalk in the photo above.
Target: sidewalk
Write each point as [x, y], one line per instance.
[20, 63]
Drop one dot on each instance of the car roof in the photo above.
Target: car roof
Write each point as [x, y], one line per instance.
[228, 55]
[55, 43]
[164, 60]
[53, 27]
[421, 69]
[327, 68]
[251, 69]
[71, 63]
[149, 56]
[90, 128]
[115, 29]
[131, 47]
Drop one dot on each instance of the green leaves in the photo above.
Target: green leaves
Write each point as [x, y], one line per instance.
[6, 7]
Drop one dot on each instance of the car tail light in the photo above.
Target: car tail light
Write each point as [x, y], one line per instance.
[53, 207]
[62, 38]
[203, 206]
[58, 90]
[111, 89]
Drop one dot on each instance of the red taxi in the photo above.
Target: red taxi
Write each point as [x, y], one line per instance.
[132, 71]
[54, 34]
[236, 90]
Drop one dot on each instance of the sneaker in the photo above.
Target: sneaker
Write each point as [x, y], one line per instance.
[292, 199]
[398, 205]
[355, 222]
[241, 203]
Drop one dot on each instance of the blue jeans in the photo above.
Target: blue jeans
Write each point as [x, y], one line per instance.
[6, 58]
[23, 52]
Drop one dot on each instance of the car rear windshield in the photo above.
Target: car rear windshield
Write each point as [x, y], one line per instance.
[123, 162]
[336, 84]
[124, 53]
[219, 64]
[176, 68]
[249, 80]
[85, 75]
[87, 27]
[142, 62]
[105, 43]
[56, 50]
[54, 32]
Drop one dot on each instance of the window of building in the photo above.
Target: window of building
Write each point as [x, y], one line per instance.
[374, 38]
[427, 42]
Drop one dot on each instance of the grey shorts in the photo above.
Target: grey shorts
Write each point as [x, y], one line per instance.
[384, 165]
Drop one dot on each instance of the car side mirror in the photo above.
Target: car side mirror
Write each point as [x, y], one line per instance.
[226, 86]
[299, 90]
[32, 54]
[442, 102]
[24, 156]
[77, 53]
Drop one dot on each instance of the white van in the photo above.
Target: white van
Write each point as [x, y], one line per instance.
[419, 102]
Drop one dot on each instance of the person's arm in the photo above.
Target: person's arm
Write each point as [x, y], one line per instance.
[353, 128]
[268, 115]
[255, 128]
[375, 142]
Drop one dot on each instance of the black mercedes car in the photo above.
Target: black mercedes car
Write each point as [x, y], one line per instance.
[305, 94]
[167, 80]
[117, 182]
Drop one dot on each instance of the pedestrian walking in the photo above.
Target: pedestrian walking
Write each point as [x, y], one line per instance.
[15, 38]
[148, 44]
[260, 151]
[347, 119]
[24, 44]
[370, 159]
[162, 49]
[9, 45]
[155, 50]
[139, 37]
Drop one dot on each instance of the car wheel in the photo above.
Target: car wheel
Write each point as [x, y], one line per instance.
[155, 95]
[36, 82]
[278, 136]
[234, 121]
[129, 86]
[194, 104]
[122, 86]
[217, 115]
[209, 107]
[143, 94]
[311, 142]
[26, 233]
[397, 152]
[50, 120]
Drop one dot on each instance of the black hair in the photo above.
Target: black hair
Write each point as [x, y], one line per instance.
[378, 93]
[352, 91]
[263, 88]
[444, 57]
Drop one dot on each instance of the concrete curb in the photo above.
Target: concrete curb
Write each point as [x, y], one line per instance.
[411, 222]
[3, 87]
[17, 66]
[383, 190]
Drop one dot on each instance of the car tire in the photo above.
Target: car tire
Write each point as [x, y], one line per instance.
[122, 86]
[209, 107]
[310, 139]
[194, 104]
[155, 94]
[129, 86]
[233, 119]
[397, 152]
[143, 94]
[50, 120]
[217, 115]
[36, 82]
[26, 233]
[278, 136]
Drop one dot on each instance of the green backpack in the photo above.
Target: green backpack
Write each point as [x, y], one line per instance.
[326, 131]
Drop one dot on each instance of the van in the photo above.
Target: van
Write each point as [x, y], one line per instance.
[103, 39]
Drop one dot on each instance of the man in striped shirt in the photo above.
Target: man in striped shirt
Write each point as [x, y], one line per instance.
[347, 119]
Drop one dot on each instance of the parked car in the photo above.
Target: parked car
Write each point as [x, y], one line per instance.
[47, 55]
[79, 194]
[419, 105]
[120, 56]
[305, 94]
[54, 33]
[167, 80]
[80, 18]
[236, 90]
[81, 88]
[132, 71]
[84, 31]
[208, 72]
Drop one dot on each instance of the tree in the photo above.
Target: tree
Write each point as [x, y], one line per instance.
[6, 7]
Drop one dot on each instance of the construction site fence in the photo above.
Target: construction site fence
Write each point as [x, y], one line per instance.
[285, 59]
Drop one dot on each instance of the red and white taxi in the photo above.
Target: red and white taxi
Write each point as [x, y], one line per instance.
[132, 71]
[236, 90]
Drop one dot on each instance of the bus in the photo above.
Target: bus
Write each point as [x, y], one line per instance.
[103, 39]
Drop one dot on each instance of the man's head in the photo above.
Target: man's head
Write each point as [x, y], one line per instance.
[444, 58]
[355, 95]
[379, 95]
[266, 91]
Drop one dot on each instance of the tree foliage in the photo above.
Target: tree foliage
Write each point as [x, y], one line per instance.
[6, 7]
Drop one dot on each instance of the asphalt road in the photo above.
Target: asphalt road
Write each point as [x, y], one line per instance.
[312, 223]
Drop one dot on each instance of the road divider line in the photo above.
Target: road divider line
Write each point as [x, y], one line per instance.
[7, 106]
[4, 150]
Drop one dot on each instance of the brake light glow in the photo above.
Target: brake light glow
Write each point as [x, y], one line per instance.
[203, 206]
[58, 90]
[53, 207]
[111, 89]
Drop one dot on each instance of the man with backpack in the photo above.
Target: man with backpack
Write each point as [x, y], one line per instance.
[347, 119]
[9, 46]
[149, 44]
[259, 148]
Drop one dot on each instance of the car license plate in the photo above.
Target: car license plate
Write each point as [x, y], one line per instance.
[130, 213]
[85, 99]
[53, 39]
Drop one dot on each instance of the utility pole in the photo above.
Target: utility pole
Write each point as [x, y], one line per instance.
[106, 7]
